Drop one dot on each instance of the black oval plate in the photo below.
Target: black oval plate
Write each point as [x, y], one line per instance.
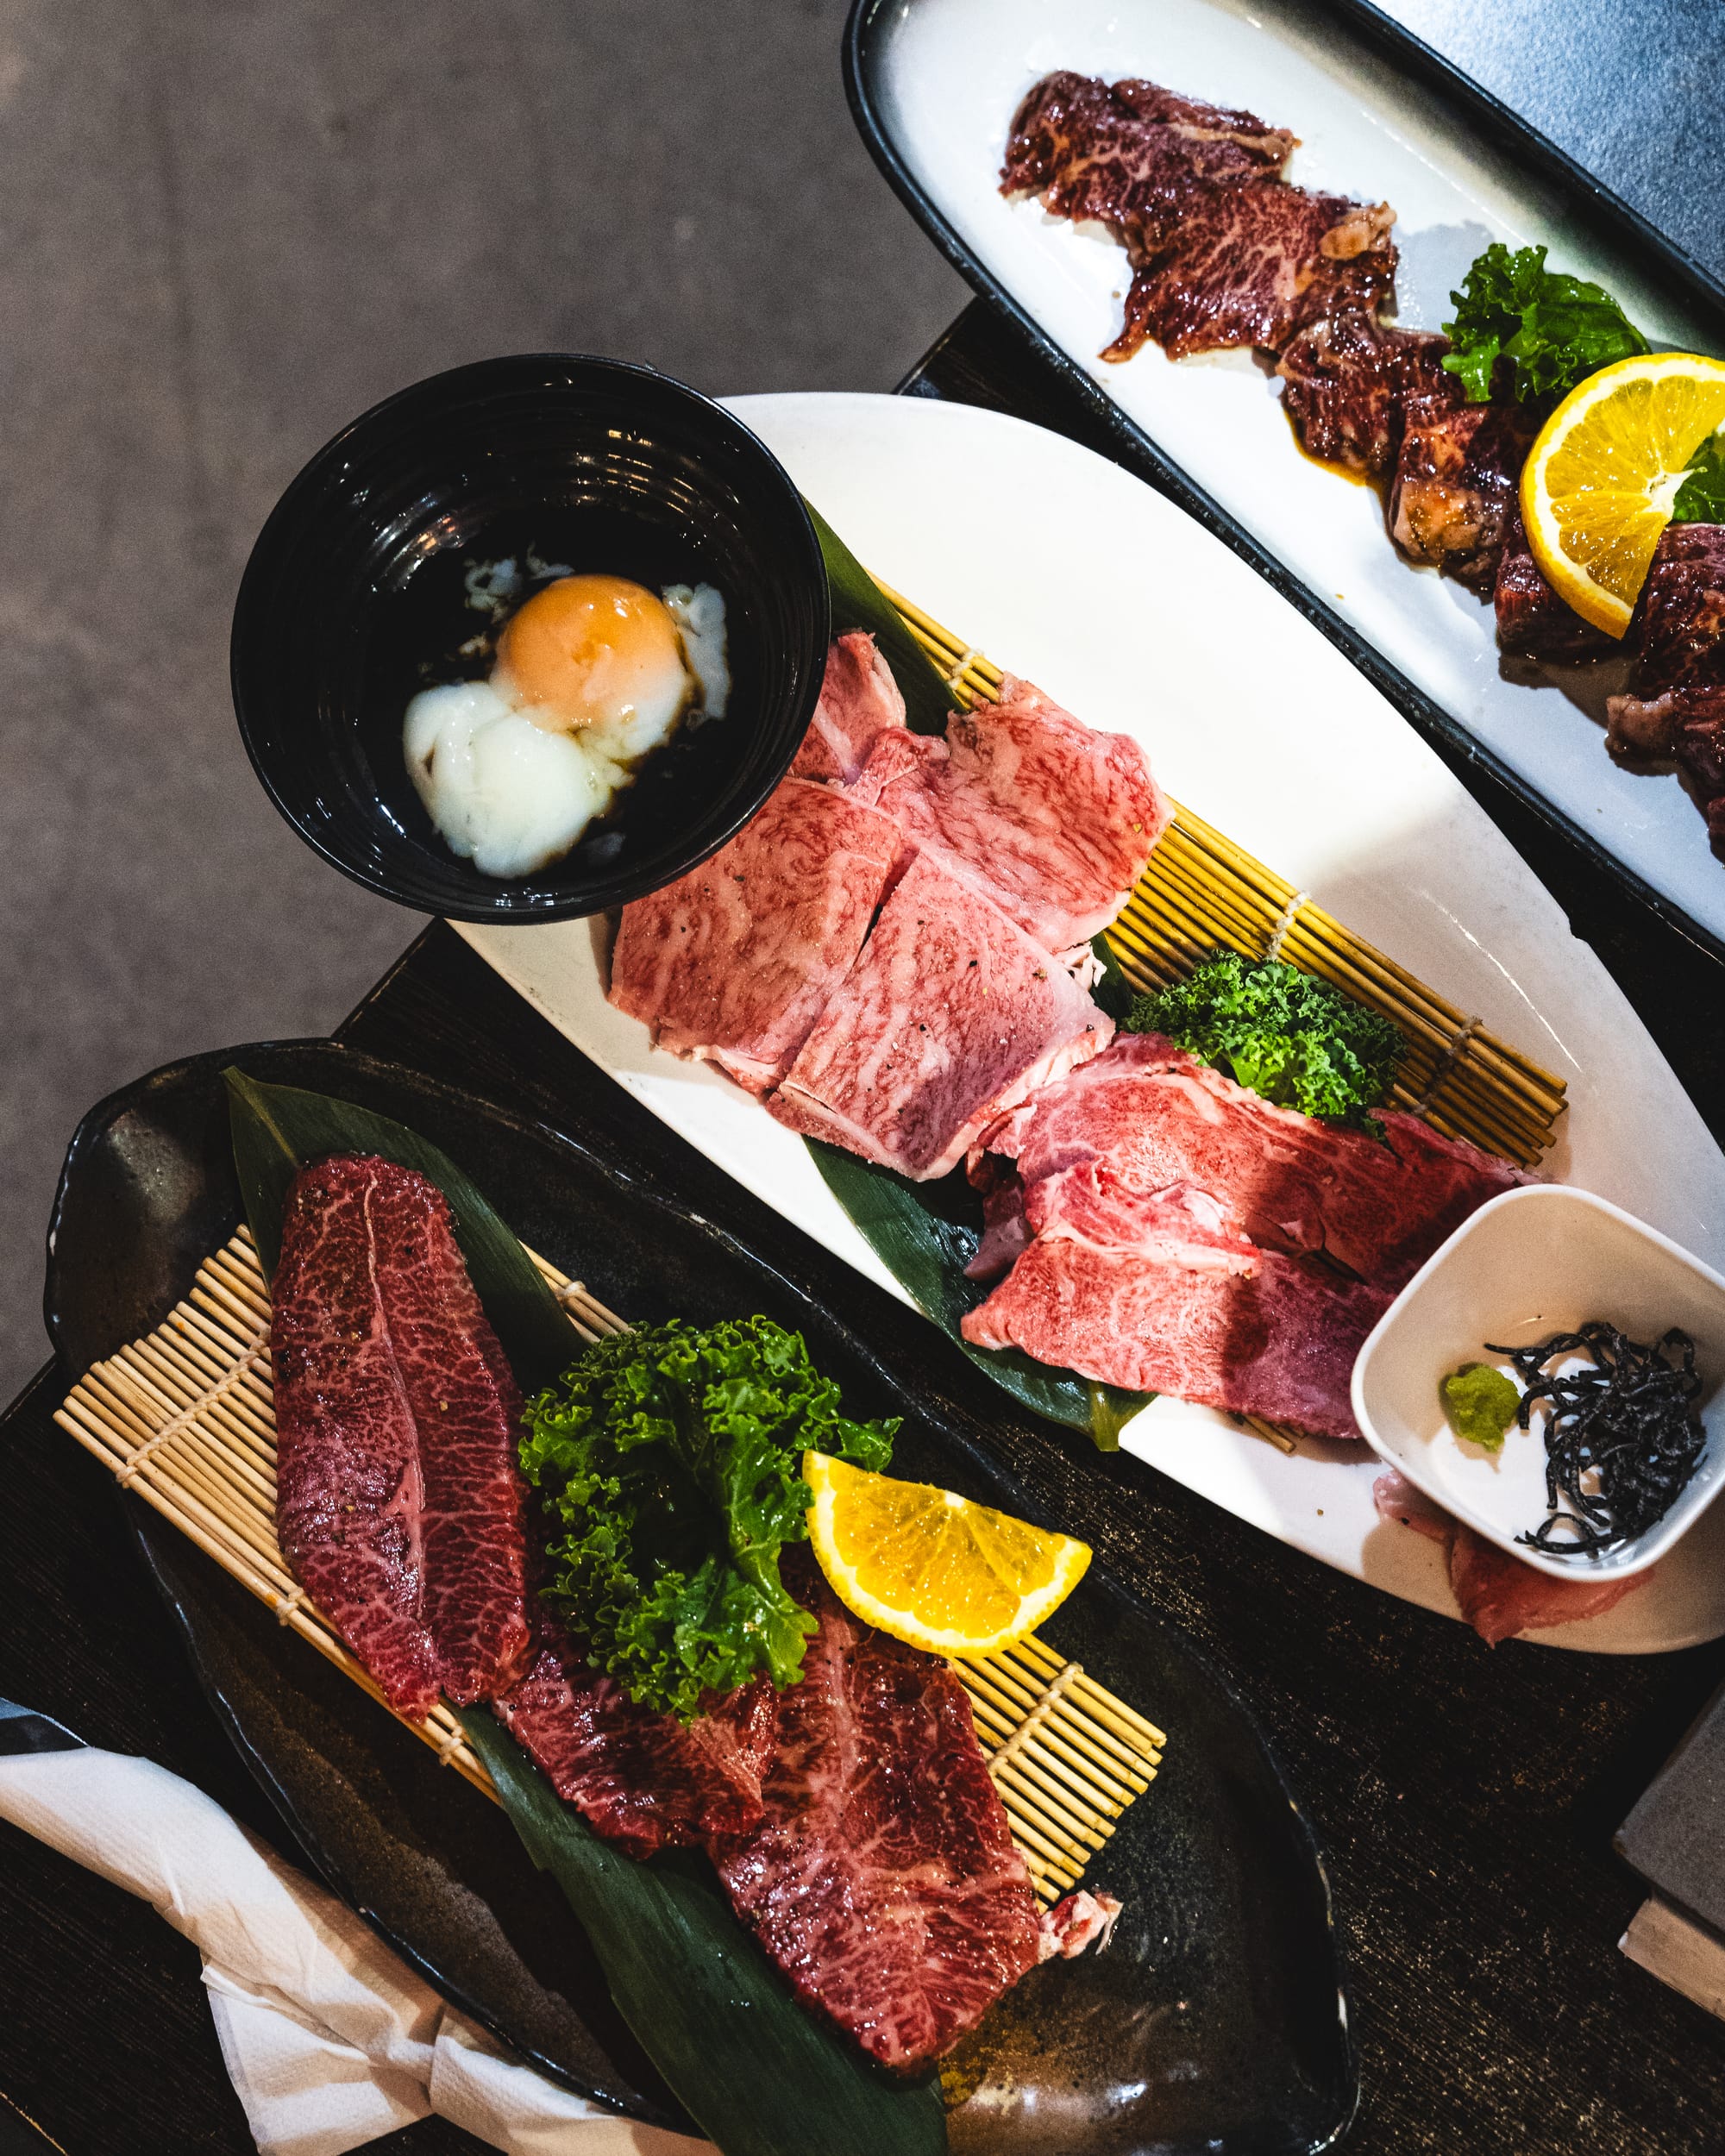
[1581, 198]
[1216, 2021]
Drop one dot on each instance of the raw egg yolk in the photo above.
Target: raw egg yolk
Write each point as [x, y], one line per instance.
[593, 651]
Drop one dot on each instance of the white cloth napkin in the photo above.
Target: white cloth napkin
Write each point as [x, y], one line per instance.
[329, 2039]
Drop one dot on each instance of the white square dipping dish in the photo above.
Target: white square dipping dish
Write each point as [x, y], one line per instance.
[1545, 1258]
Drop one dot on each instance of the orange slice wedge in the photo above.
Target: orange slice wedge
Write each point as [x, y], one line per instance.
[931, 1567]
[1598, 485]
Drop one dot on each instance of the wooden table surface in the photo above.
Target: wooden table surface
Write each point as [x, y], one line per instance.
[1466, 1797]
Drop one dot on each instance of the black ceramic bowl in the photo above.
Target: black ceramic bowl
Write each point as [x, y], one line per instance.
[354, 600]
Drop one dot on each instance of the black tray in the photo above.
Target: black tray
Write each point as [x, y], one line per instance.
[1218, 2019]
[1583, 197]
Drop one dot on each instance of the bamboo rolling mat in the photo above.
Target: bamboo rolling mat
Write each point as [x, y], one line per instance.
[185, 1418]
[1200, 890]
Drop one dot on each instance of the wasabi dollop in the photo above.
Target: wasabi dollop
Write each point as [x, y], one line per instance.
[1480, 1403]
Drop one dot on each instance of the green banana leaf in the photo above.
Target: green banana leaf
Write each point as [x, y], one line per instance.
[925, 1234]
[1114, 991]
[758, 2072]
[759, 2075]
[278, 1129]
[859, 603]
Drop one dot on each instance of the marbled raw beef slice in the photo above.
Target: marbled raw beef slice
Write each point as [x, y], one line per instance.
[882, 1879]
[950, 1016]
[734, 963]
[644, 1780]
[1051, 820]
[1253, 264]
[1155, 1117]
[1277, 1341]
[859, 698]
[399, 1501]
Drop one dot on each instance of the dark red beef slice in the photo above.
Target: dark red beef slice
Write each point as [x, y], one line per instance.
[1675, 708]
[1155, 1117]
[1248, 265]
[399, 1503]
[1700, 750]
[1269, 147]
[1532, 622]
[1679, 631]
[349, 1497]
[1681, 727]
[642, 1780]
[1454, 488]
[882, 1877]
[1498, 1595]
[467, 1411]
[1348, 378]
[1129, 156]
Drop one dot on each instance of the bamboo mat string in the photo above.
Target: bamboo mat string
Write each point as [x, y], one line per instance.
[1285, 920]
[1003, 1755]
[184, 1417]
[1446, 1063]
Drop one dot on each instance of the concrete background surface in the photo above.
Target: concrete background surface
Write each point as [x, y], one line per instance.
[226, 228]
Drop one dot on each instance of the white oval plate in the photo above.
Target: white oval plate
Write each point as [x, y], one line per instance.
[1065, 568]
[950, 75]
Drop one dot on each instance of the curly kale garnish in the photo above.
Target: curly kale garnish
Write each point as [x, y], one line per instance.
[669, 1462]
[1286, 1034]
[1545, 330]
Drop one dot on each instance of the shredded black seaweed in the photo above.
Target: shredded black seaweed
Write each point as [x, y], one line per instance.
[1630, 1422]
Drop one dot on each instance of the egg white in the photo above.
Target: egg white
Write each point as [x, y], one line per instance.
[698, 612]
[511, 787]
[506, 794]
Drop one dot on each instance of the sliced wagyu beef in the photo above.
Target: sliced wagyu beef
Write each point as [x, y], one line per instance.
[950, 1017]
[882, 1877]
[398, 1506]
[1252, 264]
[1278, 1341]
[1453, 494]
[1050, 818]
[1130, 155]
[1675, 707]
[859, 699]
[1155, 1117]
[734, 962]
[1497, 1594]
[1348, 381]
[1532, 622]
[638, 1777]
[1167, 1231]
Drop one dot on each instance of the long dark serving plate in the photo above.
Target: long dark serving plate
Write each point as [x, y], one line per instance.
[914, 68]
[1216, 2020]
